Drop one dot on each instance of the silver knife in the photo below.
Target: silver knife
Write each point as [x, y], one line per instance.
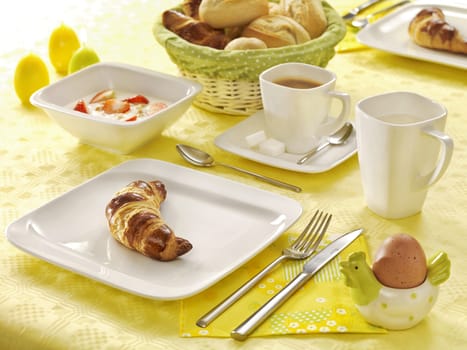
[315, 264]
[356, 10]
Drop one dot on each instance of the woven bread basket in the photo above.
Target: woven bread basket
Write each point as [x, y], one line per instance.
[230, 78]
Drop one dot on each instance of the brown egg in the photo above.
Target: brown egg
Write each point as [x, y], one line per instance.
[400, 262]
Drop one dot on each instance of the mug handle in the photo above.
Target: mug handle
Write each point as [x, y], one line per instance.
[329, 127]
[447, 147]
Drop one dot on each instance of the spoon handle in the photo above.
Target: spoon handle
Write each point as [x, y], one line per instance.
[389, 8]
[263, 178]
[312, 152]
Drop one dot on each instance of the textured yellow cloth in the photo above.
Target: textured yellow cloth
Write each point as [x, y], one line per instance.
[46, 307]
[350, 42]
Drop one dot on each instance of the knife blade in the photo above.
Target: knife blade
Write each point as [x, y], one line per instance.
[356, 10]
[316, 263]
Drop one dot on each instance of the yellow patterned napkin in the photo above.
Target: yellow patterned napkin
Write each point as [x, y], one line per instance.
[323, 305]
[350, 42]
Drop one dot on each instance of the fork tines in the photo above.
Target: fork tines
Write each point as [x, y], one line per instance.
[313, 232]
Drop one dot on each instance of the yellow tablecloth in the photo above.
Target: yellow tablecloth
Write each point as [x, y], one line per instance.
[46, 307]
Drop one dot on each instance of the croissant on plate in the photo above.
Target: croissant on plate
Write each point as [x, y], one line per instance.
[134, 220]
[430, 29]
[193, 30]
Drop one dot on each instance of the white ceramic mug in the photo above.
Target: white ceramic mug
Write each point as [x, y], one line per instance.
[299, 117]
[402, 151]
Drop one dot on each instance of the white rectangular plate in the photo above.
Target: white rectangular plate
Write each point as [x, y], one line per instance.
[391, 34]
[227, 223]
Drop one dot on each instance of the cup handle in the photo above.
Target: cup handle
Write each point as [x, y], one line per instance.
[331, 126]
[447, 147]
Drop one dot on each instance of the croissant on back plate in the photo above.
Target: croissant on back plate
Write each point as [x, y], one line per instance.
[134, 220]
[430, 29]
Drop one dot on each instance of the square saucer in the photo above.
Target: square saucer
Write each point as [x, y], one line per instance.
[233, 140]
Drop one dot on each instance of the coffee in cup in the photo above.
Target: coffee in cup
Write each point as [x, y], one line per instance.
[296, 99]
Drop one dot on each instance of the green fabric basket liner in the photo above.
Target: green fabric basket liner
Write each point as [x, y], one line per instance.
[246, 65]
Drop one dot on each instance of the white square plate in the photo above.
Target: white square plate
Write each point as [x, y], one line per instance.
[390, 34]
[227, 223]
[233, 140]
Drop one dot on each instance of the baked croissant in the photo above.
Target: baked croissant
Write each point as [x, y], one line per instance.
[430, 29]
[135, 221]
[194, 31]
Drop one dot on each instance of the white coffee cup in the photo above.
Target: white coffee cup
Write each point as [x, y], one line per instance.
[299, 117]
[402, 151]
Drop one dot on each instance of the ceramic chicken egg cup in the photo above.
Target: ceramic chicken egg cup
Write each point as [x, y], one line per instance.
[393, 308]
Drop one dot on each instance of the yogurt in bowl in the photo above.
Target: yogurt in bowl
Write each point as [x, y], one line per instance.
[122, 106]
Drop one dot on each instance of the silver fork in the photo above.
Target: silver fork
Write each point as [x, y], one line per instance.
[300, 249]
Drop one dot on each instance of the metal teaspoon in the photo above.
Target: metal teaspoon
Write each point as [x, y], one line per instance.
[363, 22]
[200, 158]
[338, 138]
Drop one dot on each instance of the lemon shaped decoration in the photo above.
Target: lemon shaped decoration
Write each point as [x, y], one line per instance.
[31, 74]
[63, 43]
[83, 57]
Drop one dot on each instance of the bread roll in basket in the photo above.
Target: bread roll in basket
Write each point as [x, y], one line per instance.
[230, 78]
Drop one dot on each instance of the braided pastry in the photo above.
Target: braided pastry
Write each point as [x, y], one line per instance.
[191, 8]
[430, 29]
[194, 31]
[135, 221]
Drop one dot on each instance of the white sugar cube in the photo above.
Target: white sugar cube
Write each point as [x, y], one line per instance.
[255, 139]
[272, 147]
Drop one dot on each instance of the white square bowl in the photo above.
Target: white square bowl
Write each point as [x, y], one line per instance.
[57, 100]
